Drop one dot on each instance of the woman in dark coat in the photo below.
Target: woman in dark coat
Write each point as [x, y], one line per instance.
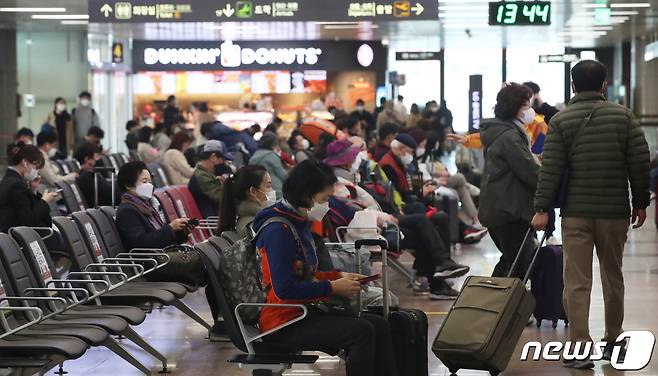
[139, 224]
[20, 203]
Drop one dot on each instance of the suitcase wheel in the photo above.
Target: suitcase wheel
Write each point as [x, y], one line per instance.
[566, 323]
[453, 371]
[554, 324]
[538, 323]
[494, 372]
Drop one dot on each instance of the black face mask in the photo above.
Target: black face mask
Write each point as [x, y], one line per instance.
[222, 169]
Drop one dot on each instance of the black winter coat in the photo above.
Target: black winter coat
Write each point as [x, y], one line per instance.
[137, 232]
[19, 206]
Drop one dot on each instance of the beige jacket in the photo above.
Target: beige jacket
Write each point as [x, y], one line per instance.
[148, 153]
[178, 170]
[50, 173]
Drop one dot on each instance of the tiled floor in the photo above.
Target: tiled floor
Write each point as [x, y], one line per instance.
[182, 340]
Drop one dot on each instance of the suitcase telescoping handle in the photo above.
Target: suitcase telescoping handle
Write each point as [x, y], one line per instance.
[383, 244]
[534, 256]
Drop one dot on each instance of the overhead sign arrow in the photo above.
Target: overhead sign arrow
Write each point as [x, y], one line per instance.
[106, 10]
[418, 9]
[228, 10]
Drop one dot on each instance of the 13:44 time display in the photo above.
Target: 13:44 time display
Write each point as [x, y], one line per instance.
[515, 13]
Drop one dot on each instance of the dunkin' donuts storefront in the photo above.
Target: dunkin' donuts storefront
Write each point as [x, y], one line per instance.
[262, 75]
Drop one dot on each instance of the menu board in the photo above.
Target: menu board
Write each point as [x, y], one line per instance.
[230, 82]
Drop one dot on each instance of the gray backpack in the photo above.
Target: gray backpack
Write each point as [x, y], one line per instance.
[239, 271]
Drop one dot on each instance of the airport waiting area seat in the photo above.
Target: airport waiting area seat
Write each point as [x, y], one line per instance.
[259, 358]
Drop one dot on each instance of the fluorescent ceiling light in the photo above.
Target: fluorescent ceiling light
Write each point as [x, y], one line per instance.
[582, 32]
[590, 27]
[75, 22]
[594, 6]
[624, 13]
[60, 16]
[32, 10]
[630, 5]
[615, 13]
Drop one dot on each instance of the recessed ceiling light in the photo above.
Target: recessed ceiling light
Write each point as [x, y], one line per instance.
[60, 16]
[630, 5]
[594, 6]
[32, 10]
[75, 22]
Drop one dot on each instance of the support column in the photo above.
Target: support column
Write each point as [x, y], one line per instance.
[442, 73]
[504, 64]
[8, 90]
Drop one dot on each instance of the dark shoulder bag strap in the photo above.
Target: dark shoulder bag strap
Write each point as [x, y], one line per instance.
[584, 123]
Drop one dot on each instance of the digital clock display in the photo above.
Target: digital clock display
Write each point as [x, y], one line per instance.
[519, 13]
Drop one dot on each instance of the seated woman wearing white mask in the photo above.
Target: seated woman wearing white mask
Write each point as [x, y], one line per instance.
[244, 195]
[139, 224]
[290, 275]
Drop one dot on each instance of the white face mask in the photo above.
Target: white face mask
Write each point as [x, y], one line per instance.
[61, 107]
[420, 152]
[305, 144]
[318, 211]
[85, 102]
[270, 197]
[357, 163]
[144, 190]
[360, 108]
[407, 159]
[52, 152]
[528, 116]
[32, 174]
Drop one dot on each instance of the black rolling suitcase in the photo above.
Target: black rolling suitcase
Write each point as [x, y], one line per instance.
[408, 326]
[409, 332]
[486, 321]
[546, 284]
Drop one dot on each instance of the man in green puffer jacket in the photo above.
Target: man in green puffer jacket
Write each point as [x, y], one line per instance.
[608, 152]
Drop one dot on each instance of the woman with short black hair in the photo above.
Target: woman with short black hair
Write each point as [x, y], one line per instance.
[289, 271]
[509, 178]
[139, 224]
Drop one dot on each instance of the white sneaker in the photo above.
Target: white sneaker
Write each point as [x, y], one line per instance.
[553, 241]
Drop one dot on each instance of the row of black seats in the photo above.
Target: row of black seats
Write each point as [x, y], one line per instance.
[106, 294]
[72, 199]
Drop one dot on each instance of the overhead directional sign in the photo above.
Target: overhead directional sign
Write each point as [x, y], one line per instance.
[565, 58]
[417, 55]
[140, 11]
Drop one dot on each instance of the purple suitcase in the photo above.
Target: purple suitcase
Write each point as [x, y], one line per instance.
[547, 285]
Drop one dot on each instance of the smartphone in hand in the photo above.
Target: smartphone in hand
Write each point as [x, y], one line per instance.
[193, 222]
[372, 278]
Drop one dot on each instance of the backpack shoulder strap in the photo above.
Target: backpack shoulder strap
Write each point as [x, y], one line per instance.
[284, 221]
